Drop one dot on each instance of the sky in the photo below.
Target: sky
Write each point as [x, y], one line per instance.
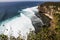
[25, 0]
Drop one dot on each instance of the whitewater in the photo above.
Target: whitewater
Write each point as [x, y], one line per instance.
[20, 24]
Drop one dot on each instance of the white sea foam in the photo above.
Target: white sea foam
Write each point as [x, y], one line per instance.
[20, 24]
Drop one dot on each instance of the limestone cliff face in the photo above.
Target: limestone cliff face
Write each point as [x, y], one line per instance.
[46, 20]
[47, 11]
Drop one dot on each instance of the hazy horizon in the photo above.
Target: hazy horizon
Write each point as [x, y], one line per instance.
[27, 0]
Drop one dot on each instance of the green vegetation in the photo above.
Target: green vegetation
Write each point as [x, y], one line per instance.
[3, 37]
[45, 33]
[52, 32]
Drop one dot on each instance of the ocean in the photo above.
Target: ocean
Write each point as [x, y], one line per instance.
[17, 17]
[10, 9]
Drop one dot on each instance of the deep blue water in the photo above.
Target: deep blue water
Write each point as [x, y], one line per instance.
[10, 9]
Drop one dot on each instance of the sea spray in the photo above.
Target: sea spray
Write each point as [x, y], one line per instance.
[21, 24]
[30, 13]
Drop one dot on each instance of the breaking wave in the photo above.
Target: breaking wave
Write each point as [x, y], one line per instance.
[21, 24]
